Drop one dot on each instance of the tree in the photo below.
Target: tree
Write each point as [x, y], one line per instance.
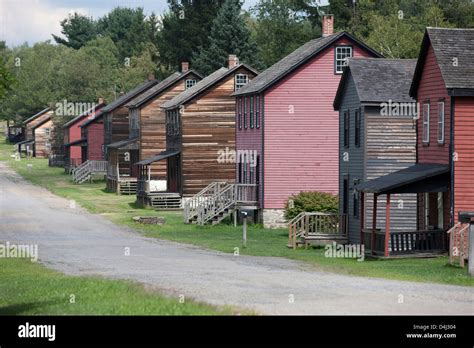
[229, 35]
[281, 28]
[127, 29]
[78, 30]
[184, 28]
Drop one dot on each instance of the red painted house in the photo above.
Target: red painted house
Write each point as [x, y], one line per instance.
[443, 178]
[92, 131]
[285, 117]
[73, 140]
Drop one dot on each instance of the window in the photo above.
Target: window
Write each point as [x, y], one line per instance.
[346, 128]
[257, 170]
[240, 81]
[47, 131]
[244, 164]
[426, 123]
[342, 53]
[240, 172]
[441, 122]
[240, 113]
[257, 111]
[252, 173]
[245, 112]
[190, 83]
[357, 128]
[345, 197]
[172, 122]
[355, 206]
[251, 111]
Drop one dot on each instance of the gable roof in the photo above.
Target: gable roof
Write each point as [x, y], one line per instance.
[84, 114]
[42, 122]
[129, 96]
[35, 116]
[203, 85]
[159, 88]
[449, 43]
[378, 80]
[295, 59]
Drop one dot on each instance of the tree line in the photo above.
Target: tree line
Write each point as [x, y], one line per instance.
[107, 56]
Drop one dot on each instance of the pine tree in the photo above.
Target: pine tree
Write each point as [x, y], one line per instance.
[229, 35]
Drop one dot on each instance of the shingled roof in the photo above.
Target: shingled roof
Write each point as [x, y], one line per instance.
[202, 86]
[378, 80]
[85, 113]
[294, 60]
[122, 100]
[28, 120]
[450, 46]
[160, 87]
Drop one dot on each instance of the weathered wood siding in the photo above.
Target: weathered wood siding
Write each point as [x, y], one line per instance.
[351, 159]
[301, 130]
[95, 140]
[29, 126]
[390, 146]
[464, 148]
[153, 126]
[43, 139]
[208, 127]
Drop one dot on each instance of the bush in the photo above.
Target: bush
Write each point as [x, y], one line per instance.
[312, 202]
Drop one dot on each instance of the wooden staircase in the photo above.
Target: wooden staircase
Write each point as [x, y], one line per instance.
[317, 229]
[459, 243]
[218, 201]
[127, 187]
[86, 170]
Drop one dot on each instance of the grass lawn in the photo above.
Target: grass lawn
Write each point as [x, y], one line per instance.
[260, 241]
[29, 288]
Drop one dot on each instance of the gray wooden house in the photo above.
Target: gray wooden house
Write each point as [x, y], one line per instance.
[377, 136]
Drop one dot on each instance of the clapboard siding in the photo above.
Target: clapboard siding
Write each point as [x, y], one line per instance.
[390, 146]
[353, 167]
[43, 139]
[464, 147]
[30, 125]
[94, 134]
[432, 89]
[301, 130]
[153, 126]
[207, 127]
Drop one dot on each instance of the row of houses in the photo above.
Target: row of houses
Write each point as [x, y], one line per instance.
[333, 116]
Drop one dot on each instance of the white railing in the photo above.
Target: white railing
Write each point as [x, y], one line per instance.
[216, 205]
[85, 171]
[458, 243]
[191, 206]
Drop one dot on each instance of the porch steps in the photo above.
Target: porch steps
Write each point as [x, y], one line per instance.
[128, 187]
[86, 170]
[165, 201]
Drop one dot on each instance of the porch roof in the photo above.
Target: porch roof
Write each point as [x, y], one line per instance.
[162, 155]
[75, 142]
[421, 177]
[127, 144]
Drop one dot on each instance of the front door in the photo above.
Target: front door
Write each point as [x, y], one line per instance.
[174, 178]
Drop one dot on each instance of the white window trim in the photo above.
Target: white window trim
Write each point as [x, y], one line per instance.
[336, 60]
[239, 85]
[441, 123]
[426, 109]
[190, 83]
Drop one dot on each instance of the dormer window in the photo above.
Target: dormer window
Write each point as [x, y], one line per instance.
[342, 54]
[190, 83]
[240, 81]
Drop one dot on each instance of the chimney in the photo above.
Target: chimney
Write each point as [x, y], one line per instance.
[184, 67]
[233, 61]
[100, 100]
[328, 25]
[151, 76]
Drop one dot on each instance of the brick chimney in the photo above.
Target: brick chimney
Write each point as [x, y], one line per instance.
[184, 66]
[233, 61]
[151, 76]
[328, 25]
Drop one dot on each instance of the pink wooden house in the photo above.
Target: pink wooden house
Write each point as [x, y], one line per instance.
[285, 117]
[74, 143]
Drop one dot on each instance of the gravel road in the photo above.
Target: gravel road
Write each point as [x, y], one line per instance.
[75, 242]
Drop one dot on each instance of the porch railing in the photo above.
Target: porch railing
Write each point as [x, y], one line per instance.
[246, 194]
[312, 224]
[405, 242]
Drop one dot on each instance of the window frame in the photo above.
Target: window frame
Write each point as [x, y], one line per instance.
[239, 85]
[257, 111]
[336, 60]
[346, 129]
[357, 127]
[251, 111]
[426, 131]
[441, 102]
[193, 81]
[245, 112]
[239, 112]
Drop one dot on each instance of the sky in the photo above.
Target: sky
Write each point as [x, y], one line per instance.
[35, 20]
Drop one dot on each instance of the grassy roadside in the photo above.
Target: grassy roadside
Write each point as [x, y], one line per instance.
[39, 290]
[261, 242]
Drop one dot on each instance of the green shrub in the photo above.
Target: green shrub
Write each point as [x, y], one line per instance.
[312, 202]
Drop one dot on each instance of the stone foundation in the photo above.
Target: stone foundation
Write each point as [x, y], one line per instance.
[274, 218]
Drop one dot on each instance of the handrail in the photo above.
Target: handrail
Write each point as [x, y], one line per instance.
[218, 203]
[457, 235]
[190, 207]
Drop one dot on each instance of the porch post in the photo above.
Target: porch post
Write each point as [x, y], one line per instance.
[387, 225]
[362, 217]
[374, 223]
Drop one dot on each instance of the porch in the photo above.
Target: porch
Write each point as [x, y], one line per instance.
[121, 172]
[430, 238]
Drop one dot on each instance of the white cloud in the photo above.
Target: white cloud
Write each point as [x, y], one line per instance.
[31, 20]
